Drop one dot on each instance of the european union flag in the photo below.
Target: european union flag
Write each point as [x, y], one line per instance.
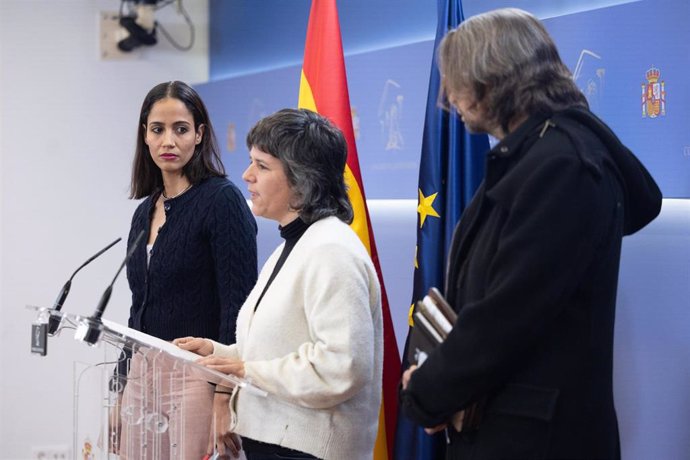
[451, 168]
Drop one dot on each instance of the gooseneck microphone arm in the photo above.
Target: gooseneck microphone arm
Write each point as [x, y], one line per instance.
[90, 329]
[54, 320]
[65, 289]
[109, 290]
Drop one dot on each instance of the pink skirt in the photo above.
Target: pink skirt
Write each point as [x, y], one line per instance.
[166, 411]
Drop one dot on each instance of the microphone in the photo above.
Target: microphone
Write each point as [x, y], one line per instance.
[54, 320]
[89, 329]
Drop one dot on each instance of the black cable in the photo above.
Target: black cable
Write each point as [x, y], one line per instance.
[165, 3]
[169, 37]
[122, 8]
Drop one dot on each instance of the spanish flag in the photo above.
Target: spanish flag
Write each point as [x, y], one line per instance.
[323, 89]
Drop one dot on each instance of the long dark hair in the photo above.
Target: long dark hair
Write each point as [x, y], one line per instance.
[206, 162]
[313, 153]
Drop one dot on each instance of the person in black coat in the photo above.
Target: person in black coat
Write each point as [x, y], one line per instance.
[533, 265]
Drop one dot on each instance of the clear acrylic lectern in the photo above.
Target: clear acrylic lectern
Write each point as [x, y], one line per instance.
[152, 422]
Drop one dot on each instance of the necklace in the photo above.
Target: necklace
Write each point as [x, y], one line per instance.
[166, 197]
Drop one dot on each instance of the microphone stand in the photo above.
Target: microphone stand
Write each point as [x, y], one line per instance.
[91, 328]
[54, 320]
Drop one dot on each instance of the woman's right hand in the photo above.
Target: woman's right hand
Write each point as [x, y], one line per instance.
[203, 347]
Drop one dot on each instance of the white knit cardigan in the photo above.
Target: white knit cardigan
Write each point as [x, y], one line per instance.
[315, 344]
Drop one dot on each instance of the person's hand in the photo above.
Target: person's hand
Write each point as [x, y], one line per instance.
[225, 442]
[224, 365]
[435, 429]
[230, 444]
[407, 375]
[203, 347]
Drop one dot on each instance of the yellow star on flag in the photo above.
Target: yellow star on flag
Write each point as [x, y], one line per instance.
[425, 207]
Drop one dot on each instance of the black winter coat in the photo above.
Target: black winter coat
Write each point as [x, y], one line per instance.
[533, 273]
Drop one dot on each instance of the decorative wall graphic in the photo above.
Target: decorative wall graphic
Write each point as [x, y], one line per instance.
[390, 115]
[589, 76]
[653, 94]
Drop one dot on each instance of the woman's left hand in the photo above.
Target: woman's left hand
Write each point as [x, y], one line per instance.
[224, 365]
[203, 347]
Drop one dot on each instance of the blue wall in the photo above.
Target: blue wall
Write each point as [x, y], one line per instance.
[255, 36]
[247, 38]
[388, 52]
[387, 95]
[621, 44]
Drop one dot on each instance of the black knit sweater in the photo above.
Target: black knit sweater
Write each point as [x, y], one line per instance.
[202, 267]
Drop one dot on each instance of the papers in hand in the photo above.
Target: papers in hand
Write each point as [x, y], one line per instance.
[433, 320]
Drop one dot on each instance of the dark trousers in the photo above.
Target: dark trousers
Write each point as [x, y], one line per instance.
[296, 456]
[257, 450]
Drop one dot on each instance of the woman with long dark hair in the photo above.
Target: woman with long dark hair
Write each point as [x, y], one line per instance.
[193, 274]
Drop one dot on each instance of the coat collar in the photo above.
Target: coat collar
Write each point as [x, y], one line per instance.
[504, 154]
[513, 141]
